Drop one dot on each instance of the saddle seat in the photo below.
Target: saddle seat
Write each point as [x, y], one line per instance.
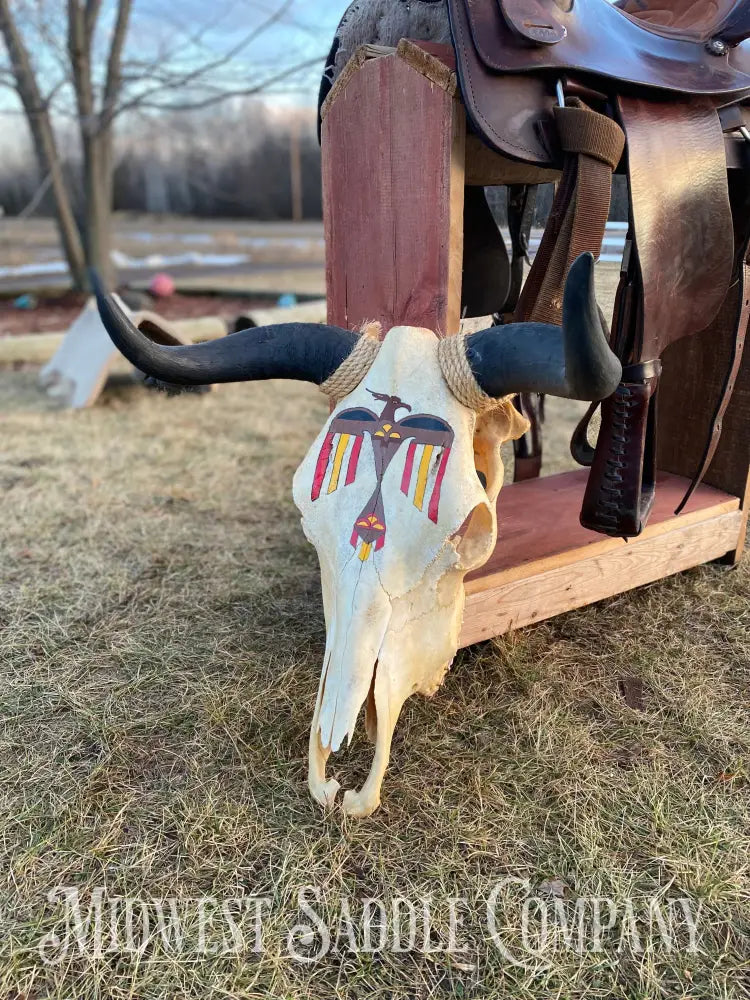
[693, 20]
[632, 44]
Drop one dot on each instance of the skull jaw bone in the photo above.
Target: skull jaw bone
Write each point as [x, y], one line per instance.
[417, 649]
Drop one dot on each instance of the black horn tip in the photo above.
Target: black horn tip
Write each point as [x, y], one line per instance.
[579, 295]
[593, 370]
[97, 285]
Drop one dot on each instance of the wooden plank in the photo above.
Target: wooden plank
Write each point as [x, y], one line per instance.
[734, 557]
[545, 563]
[537, 596]
[538, 524]
[393, 173]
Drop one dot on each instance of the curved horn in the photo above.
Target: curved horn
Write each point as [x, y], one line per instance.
[308, 352]
[575, 361]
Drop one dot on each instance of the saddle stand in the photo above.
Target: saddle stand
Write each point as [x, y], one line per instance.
[397, 251]
[675, 80]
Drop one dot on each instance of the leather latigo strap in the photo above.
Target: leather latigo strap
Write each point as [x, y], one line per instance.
[672, 285]
[734, 313]
[593, 146]
[681, 215]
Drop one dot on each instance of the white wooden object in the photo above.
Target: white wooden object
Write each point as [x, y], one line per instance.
[78, 371]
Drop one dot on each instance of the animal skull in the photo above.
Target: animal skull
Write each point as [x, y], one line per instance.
[390, 493]
[393, 504]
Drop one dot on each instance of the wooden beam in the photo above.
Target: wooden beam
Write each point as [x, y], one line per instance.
[545, 563]
[393, 179]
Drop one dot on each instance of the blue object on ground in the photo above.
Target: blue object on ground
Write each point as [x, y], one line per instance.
[25, 301]
[287, 300]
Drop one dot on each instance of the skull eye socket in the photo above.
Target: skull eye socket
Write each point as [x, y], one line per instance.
[477, 533]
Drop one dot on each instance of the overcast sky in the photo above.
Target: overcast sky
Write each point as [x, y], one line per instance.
[304, 32]
[197, 32]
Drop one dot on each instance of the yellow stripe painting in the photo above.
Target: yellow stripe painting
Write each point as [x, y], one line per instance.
[424, 469]
[337, 460]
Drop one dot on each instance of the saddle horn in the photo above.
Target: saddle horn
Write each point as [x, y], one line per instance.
[307, 352]
[574, 361]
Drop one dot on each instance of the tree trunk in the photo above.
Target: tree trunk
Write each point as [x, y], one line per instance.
[45, 146]
[96, 126]
[98, 188]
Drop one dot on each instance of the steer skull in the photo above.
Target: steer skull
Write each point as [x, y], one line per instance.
[391, 500]
[398, 492]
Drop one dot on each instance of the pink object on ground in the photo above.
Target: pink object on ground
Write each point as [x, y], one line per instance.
[162, 286]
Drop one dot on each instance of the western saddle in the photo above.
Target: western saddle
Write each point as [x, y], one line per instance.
[570, 85]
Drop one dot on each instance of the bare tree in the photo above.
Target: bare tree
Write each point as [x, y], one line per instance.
[80, 68]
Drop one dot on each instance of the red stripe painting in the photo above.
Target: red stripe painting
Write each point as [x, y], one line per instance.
[351, 470]
[322, 465]
[408, 467]
[432, 510]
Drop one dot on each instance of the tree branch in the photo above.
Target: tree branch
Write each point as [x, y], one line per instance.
[225, 94]
[113, 80]
[180, 81]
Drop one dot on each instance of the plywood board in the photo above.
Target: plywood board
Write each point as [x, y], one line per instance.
[78, 371]
[545, 563]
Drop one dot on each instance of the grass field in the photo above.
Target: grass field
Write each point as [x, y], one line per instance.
[161, 639]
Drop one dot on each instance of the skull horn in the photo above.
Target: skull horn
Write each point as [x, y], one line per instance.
[575, 361]
[308, 352]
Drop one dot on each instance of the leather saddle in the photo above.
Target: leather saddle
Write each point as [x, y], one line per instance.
[549, 83]
[636, 45]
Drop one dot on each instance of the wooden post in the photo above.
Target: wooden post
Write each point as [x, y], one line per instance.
[393, 180]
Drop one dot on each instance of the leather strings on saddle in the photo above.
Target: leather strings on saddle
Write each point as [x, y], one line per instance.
[650, 88]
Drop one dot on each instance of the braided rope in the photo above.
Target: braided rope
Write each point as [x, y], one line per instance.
[460, 378]
[355, 366]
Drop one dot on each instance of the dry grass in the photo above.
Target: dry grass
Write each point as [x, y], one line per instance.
[161, 640]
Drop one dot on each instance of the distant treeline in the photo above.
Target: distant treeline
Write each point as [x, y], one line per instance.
[233, 161]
